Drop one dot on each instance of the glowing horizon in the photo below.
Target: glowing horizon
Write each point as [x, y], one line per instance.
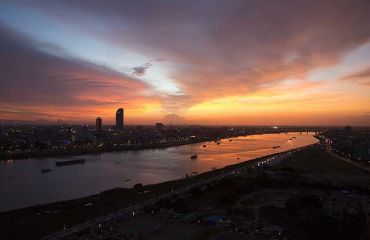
[240, 63]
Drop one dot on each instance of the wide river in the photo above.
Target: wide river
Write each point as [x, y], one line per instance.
[22, 184]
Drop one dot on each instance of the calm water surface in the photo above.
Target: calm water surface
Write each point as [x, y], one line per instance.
[22, 184]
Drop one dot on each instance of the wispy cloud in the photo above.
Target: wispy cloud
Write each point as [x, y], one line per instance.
[361, 77]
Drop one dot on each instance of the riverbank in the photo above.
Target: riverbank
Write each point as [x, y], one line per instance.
[70, 152]
[78, 151]
[125, 169]
[37, 221]
[305, 194]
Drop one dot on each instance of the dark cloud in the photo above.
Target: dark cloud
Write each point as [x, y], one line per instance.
[228, 48]
[216, 48]
[32, 77]
[12, 112]
[141, 70]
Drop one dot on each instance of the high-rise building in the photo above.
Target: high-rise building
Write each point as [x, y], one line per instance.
[99, 123]
[119, 118]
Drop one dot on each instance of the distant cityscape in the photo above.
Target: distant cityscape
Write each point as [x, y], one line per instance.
[17, 141]
[119, 121]
[350, 143]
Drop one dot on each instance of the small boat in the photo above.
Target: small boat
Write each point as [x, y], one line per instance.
[70, 162]
[204, 145]
[230, 140]
[274, 147]
[45, 170]
[194, 156]
[294, 137]
[218, 143]
[238, 158]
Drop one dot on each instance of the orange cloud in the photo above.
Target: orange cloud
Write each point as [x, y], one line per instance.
[244, 62]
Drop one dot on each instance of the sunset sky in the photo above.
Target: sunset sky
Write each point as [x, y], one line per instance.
[214, 62]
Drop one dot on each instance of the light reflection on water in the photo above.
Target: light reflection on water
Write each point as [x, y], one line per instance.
[22, 184]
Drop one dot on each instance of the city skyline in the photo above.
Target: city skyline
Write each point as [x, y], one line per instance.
[240, 63]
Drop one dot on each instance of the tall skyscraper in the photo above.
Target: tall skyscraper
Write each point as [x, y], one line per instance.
[99, 123]
[119, 118]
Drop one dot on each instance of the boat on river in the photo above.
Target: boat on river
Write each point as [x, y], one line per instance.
[70, 162]
[45, 170]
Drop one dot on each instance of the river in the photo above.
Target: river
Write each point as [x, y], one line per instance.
[22, 184]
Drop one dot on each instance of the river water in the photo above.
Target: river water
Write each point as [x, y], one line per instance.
[22, 184]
